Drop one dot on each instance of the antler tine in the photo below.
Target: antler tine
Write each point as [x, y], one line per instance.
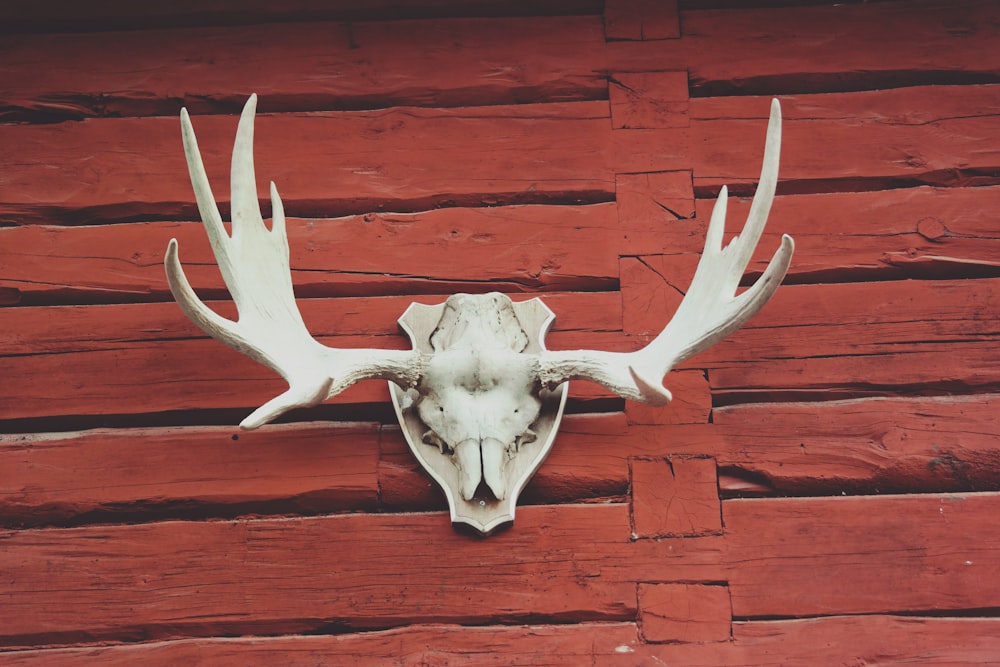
[710, 310]
[254, 263]
[712, 293]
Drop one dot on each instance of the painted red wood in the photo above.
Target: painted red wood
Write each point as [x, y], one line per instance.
[683, 613]
[517, 248]
[692, 403]
[156, 581]
[312, 66]
[821, 556]
[101, 170]
[870, 345]
[880, 445]
[893, 445]
[920, 232]
[675, 497]
[873, 338]
[935, 135]
[887, 640]
[114, 169]
[109, 15]
[641, 19]
[931, 369]
[622, 166]
[870, 317]
[871, 446]
[843, 640]
[121, 474]
[57, 329]
[824, 48]
[649, 100]
[651, 203]
[146, 377]
[495, 646]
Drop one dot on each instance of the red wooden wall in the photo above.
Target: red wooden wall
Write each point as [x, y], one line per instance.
[824, 491]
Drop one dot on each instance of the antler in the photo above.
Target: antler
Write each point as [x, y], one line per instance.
[710, 311]
[254, 263]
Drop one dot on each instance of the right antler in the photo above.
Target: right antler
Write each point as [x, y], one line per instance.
[255, 266]
[710, 311]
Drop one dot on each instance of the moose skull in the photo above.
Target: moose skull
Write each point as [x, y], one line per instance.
[479, 420]
[479, 397]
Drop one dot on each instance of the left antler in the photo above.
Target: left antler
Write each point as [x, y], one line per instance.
[710, 311]
[254, 263]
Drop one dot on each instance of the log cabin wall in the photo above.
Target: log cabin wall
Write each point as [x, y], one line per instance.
[825, 490]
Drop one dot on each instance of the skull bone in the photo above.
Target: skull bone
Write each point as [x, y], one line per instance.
[478, 396]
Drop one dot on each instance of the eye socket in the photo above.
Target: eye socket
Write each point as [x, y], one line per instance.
[441, 408]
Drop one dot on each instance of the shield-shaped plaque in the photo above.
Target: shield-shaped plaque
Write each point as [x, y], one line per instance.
[483, 511]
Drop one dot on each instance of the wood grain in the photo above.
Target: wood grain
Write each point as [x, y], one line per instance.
[425, 147]
[840, 640]
[325, 164]
[887, 640]
[515, 248]
[133, 474]
[315, 66]
[821, 556]
[534, 645]
[102, 170]
[157, 581]
[865, 446]
[762, 50]
[115, 15]
[920, 232]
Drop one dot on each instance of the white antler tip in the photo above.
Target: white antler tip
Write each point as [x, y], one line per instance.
[653, 393]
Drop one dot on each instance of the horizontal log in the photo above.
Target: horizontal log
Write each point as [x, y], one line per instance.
[930, 369]
[513, 248]
[106, 15]
[886, 234]
[175, 579]
[838, 318]
[61, 329]
[837, 340]
[886, 640]
[865, 446]
[175, 368]
[101, 170]
[72, 329]
[130, 474]
[188, 375]
[933, 135]
[912, 445]
[844, 640]
[877, 339]
[760, 50]
[592, 465]
[899, 445]
[818, 556]
[498, 646]
[435, 62]
[325, 164]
